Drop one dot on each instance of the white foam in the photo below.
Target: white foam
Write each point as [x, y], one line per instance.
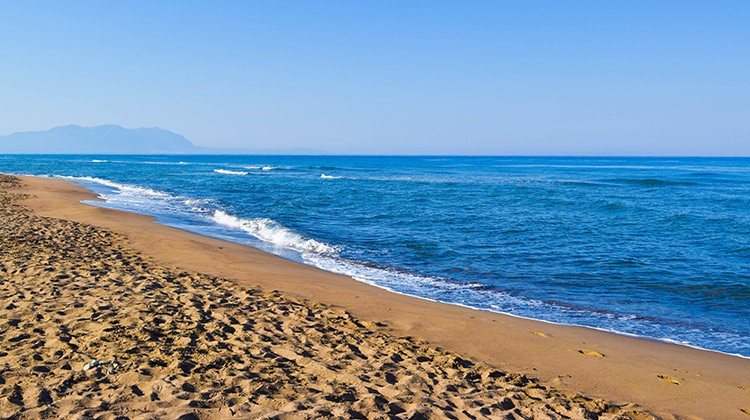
[265, 167]
[99, 161]
[228, 172]
[146, 200]
[274, 233]
[123, 189]
[199, 205]
[425, 287]
[324, 176]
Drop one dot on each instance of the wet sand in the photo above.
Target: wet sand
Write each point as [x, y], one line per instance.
[204, 326]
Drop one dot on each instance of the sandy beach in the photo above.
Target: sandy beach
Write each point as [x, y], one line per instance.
[202, 328]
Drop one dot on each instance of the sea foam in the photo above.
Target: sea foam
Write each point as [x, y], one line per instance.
[228, 172]
[125, 196]
[264, 167]
[121, 188]
[274, 233]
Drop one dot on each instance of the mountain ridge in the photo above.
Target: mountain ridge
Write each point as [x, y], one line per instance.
[101, 139]
[112, 139]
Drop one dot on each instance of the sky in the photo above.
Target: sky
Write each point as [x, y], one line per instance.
[668, 78]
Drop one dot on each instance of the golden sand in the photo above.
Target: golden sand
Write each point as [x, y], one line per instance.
[197, 329]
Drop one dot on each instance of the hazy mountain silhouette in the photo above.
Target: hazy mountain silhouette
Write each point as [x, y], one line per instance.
[116, 140]
[103, 139]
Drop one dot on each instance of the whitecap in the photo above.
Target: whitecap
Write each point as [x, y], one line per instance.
[265, 167]
[228, 172]
[272, 232]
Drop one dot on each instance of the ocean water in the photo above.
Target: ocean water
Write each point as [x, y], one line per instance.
[653, 247]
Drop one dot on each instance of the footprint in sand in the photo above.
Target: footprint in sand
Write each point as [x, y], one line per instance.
[744, 388]
[687, 372]
[590, 353]
[539, 333]
[669, 379]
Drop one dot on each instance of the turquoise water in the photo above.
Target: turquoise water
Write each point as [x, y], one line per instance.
[655, 247]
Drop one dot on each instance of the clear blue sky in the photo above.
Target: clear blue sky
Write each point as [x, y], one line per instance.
[389, 77]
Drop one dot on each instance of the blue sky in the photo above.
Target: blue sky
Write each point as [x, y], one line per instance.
[389, 77]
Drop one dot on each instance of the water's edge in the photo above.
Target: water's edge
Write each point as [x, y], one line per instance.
[651, 248]
[295, 258]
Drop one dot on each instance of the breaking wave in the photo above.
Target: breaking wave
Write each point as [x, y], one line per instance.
[132, 190]
[228, 172]
[274, 233]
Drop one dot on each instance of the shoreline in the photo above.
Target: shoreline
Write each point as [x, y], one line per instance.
[598, 363]
[521, 317]
[543, 321]
[300, 260]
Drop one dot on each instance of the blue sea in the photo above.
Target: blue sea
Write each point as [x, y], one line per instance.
[653, 247]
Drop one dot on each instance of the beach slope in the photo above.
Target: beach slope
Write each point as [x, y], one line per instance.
[204, 327]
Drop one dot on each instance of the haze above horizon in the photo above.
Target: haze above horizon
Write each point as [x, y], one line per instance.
[480, 78]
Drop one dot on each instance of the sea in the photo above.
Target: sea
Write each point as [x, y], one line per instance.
[657, 248]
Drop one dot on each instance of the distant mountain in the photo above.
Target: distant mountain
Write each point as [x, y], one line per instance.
[103, 139]
[116, 140]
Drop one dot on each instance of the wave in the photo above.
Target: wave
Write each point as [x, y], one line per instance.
[198, 204]
[264, 167]
[228, 172]
[324, 176]
[126, 196]
[99, 161]
[121, 188]
[132, 197]
[270, 231]
[270, 168]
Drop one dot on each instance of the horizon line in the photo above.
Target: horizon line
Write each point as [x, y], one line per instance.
[390, 155]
